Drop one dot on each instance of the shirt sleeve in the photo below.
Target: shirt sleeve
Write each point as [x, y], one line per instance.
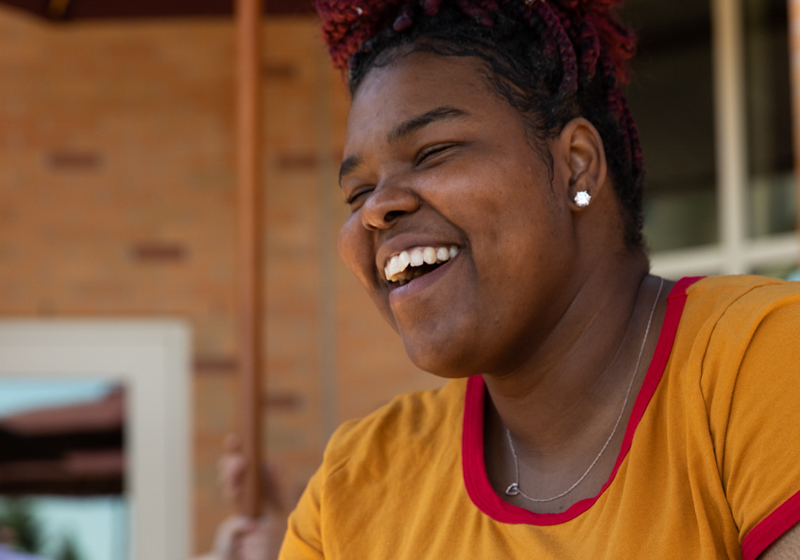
[303, 540]
[760, 460]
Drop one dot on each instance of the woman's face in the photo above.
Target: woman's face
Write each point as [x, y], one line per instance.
[435, 160]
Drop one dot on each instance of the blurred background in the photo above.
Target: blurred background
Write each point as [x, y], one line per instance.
[118, 201]
[67, 500]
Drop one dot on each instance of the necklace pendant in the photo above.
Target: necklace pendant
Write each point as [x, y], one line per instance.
[513, 489]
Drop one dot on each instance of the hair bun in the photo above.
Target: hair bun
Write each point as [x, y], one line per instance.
[347, 24]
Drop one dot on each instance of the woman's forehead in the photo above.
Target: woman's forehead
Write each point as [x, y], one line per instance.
[417, 83]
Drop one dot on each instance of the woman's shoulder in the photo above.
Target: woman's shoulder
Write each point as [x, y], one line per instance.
[740, 292]
[736, 327]
[409, 425]
[746, 353]
[734, 306]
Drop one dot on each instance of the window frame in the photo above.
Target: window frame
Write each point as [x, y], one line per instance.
[735, 253]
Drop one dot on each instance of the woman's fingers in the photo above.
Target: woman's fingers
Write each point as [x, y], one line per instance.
[229, 538]
[243, 538]
[232, 467]
[263, 540]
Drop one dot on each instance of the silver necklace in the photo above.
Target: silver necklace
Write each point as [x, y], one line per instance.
[514, 490]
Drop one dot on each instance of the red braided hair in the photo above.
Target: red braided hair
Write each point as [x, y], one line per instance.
[347, 24]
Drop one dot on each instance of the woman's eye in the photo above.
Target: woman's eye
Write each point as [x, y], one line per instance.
[432, 151]
[357, 196]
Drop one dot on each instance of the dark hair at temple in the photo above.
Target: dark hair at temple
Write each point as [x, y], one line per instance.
[551, 60]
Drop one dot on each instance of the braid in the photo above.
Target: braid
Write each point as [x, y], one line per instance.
[556, 27]
[404, 20]
[552, 60]
[591, 48]
[479, 11]
[431, 7]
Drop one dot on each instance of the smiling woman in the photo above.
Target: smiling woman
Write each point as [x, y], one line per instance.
[494, 177]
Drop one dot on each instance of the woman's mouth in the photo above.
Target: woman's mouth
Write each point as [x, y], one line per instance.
[413, 263]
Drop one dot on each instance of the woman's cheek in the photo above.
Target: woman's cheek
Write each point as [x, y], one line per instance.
[353, 247]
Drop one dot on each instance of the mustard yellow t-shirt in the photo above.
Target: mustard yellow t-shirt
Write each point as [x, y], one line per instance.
[709, 466]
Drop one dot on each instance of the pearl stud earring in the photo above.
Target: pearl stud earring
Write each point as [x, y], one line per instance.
[582, 199]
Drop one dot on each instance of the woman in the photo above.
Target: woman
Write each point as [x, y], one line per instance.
[494, 177]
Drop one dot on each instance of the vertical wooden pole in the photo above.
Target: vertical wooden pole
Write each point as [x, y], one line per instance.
[794, 65]
[248, 125]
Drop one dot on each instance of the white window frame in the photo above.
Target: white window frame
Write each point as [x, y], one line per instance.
[151, 359]
[735, 253]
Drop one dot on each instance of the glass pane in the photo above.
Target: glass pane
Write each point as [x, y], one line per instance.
[671, 98]
[772, 206]
[62, 469]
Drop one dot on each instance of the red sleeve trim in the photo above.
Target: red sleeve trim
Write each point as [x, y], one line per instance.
[477, 481]
[771, 528]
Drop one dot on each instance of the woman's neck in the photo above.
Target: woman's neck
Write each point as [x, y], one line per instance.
[566, 412]
[571, 389]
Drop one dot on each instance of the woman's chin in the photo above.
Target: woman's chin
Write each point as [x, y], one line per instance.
[442, 360]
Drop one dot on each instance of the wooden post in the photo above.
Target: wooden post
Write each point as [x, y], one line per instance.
[794, 66]
[251, 265]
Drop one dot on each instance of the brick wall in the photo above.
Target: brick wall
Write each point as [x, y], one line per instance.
[117, 192]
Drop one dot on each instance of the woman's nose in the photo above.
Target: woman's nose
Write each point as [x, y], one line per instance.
[386, 204]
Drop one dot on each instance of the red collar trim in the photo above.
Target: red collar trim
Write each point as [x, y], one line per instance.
[475, 477]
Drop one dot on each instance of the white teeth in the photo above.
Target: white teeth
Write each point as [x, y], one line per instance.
[394, 265]
[397, 268]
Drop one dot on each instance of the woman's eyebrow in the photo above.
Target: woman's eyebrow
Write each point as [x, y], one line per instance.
[413, 124]
[348, 165]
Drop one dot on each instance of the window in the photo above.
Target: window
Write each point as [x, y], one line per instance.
[150, 358]
[711, 96]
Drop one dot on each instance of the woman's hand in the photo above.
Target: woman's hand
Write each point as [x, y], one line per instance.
[229, 536]
[231, 469]
[242, 538]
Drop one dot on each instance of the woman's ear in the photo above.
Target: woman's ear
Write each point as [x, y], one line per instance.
[580, 150]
